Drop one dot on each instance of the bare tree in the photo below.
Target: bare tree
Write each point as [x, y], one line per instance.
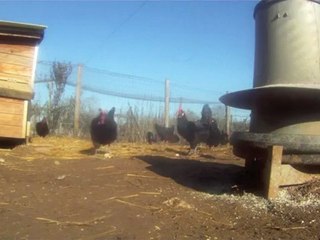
[36, 110]
[59, 75]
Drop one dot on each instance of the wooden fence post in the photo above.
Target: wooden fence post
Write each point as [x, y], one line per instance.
[77, 101]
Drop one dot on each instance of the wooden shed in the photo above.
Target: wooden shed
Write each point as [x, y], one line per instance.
[18, 58]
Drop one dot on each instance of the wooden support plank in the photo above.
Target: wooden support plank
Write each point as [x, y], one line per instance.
[272, 171]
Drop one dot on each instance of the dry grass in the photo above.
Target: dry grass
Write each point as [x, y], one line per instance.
[68, 148]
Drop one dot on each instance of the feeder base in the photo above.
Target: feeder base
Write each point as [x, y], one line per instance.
[276, 174]
[277, 160]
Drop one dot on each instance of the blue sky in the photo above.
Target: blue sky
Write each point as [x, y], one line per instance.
[204, 48]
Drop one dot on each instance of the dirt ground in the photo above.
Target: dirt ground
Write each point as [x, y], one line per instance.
[54, 188]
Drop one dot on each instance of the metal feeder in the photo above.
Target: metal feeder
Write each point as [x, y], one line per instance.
[285, 98]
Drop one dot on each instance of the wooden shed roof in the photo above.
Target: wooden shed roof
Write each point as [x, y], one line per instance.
[29, 31]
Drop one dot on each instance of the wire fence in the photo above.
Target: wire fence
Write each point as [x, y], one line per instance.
[139, 101]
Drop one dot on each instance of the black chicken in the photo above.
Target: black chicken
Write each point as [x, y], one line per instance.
[192, 132]
[216, 136]
[151, 138]
[204, 130]
[42, 128]
[206, 115]
[166, 133]
[103, 129]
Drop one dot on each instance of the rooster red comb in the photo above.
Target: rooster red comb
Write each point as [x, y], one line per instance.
[180, 108]
[102, 116]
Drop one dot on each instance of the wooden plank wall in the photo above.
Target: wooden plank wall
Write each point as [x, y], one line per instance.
[16, 66]
[13, 114]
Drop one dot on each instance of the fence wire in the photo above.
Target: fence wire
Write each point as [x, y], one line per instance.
[139, 100]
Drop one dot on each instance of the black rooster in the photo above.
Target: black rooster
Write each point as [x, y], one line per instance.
[204, 130]
[166, 133]
[42, 128]
[103, 129]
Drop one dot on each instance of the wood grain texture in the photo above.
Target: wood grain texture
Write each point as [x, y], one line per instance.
[18, 50]
[13, 118]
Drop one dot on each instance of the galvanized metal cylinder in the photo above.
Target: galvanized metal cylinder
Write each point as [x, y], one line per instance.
[287, 51]
[287, 57]
[285, 98]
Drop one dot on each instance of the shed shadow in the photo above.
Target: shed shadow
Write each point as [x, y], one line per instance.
[10, 143]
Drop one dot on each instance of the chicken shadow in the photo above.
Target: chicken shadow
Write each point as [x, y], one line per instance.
[186, 153]
[180, 152]
[89, 151]
[209, 177]
[207, 156]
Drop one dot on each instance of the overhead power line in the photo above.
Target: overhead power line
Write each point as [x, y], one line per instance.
[127, 19]
[121, 75]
